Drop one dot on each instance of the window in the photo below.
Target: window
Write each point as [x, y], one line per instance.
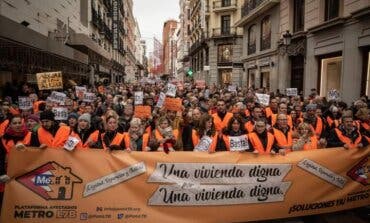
[252, 39]
[331, 9]
[226, 3]
[225, 53]
[225, 24]
[265, 33]
[298, 15]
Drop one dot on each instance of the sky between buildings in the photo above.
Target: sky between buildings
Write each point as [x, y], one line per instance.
[151, 15]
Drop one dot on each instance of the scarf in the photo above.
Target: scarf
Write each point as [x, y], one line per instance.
[10, 133]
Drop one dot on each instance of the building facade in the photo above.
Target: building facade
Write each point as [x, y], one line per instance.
[75, 37]
[183, 40]
[169, 47]
[216, 41]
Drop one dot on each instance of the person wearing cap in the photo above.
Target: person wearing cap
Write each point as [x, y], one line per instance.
[84, 131]
[32, 122]
[72, 120]
[316, 122]
[50, 134]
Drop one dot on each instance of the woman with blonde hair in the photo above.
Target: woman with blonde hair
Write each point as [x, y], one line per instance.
[305, 139]
[165, 135]
[136, 139]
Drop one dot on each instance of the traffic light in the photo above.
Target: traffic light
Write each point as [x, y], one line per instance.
[190, 72]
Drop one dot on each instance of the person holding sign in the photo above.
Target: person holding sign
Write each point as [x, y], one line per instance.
[234, 136]
[136, 139]
[207, 135]
[16, 135]
[50, 134]
[260, 140]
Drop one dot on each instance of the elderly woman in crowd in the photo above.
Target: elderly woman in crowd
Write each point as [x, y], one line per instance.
[165, 135]
[136, 139]
[305, 139]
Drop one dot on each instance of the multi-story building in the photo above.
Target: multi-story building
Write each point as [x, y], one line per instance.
[216, 41]
[260, 20]
[317, 44]
[183, 40]
[169, 45]
[75, 37]
[130, 47]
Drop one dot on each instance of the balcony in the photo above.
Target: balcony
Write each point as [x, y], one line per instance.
[225, 5]
[254, 8]
[96, 20]
[198, 43]
[224, 33]
[107, 4]
[121, 28]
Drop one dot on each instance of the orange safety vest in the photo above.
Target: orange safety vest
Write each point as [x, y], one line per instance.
[117, 140]
[281, 139]
[126, 137]
[289, 119]
[212, 148]
[257, 144]
[331, 121]
[249, 126]
[311, 145]
[219, 125]
[226, 139]
[268, 112]
[3, 126]
[9, 144]
[57, 141]
[347, 140]
[93, 136]
[194, 137]
[36, 106]
[319, 127]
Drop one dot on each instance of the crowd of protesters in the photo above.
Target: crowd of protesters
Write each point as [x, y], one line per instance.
[212, 119]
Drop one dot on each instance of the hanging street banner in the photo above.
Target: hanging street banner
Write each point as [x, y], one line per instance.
[56, 185]
[50, 80]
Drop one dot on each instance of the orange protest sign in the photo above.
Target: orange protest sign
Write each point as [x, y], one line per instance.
[54, 185]
[173, 104]
[142, 111]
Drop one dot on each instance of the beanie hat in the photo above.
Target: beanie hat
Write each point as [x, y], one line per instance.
[86, 117]
[33, 117]
[47, 115]
[73, 115]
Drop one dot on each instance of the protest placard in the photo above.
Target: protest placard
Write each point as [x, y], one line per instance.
[139, 97]
[142, 111]
[173, 104]
[333, 94]
[160, 102]
[25, 103]
[232, 88]
[50, 80]
[58, 97]
[60, 113]
[291, 91]
[89, 97]
[263, 99]
[171, 90]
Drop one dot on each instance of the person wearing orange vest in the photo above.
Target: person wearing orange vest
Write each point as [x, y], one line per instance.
[50, 134]
[136, 139]
[333, 117]
[256, 114]
[235, 137]
[347, 135]
[112, 139]
[316, 122]
[305, 139]
[272, 109]
[16, 135]
[83, 131]
[165, 135]
[282, 109]
[363, 122]
[260, 140]
[282, 134]
[222, 117]
[207, 135]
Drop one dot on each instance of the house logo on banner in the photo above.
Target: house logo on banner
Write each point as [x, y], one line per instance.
[51, 181]
[198, 184]
[361, 172]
